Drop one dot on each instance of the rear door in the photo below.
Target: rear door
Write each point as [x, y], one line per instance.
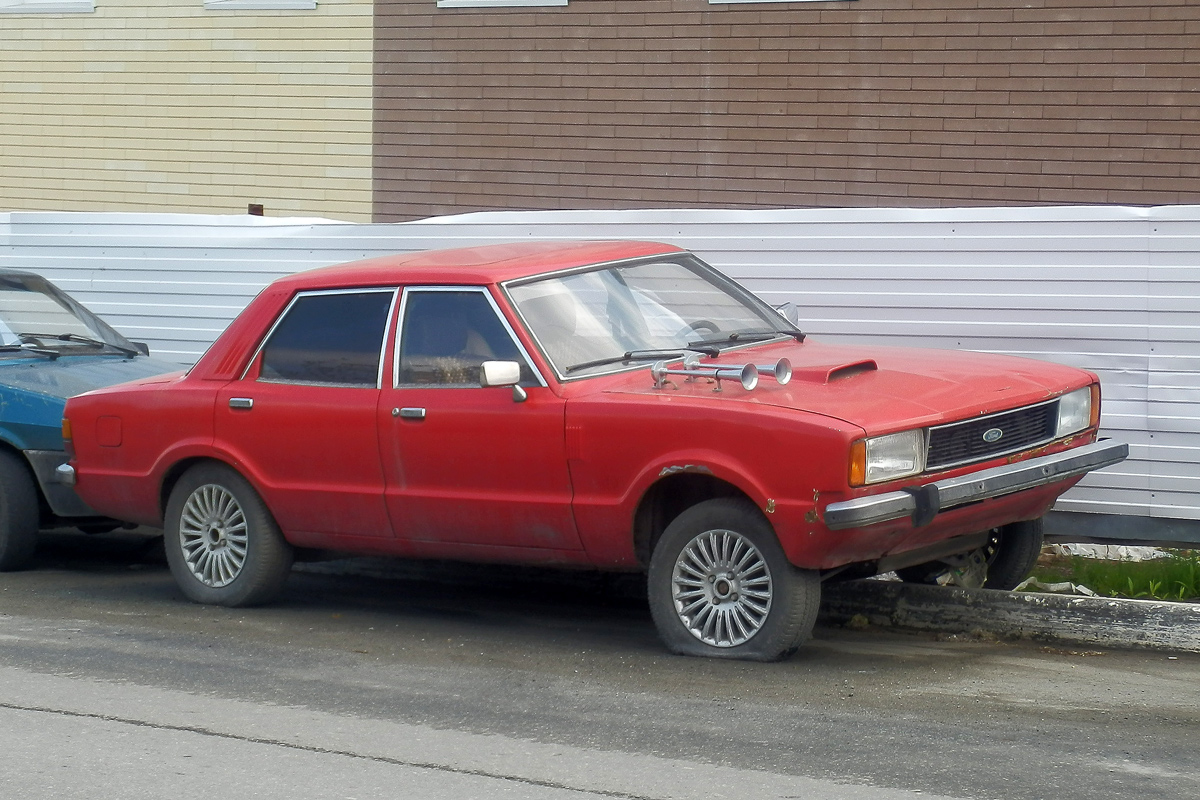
[302, 419]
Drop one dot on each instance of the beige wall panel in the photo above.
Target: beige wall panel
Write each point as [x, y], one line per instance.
[164, 106]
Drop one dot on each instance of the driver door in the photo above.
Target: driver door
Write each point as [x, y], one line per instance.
[463, 464]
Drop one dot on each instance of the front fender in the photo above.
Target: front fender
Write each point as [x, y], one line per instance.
[714, 463]
[781, 461]
[30, 421]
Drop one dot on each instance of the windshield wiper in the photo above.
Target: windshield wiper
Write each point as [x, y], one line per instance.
[75, 337]
[29, 348]
[647, 355]
[749, 337]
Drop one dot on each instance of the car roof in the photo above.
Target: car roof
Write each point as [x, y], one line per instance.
[474, 265]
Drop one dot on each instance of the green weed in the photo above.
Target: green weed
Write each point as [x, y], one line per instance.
[1176, 577]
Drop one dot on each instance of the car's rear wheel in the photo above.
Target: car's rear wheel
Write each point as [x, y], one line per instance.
[1010, 553]
[222, 544]
[721, 586]
[18, 514]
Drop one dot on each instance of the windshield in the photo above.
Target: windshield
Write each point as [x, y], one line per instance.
[35, 316]
[587, 322]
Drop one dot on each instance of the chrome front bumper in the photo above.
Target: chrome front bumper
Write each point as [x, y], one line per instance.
[923, 503]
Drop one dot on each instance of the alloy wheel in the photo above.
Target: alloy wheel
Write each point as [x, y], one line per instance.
[722, 588]
[213, 535]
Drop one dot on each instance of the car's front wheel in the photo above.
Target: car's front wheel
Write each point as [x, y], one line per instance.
[720, 586]
[222, 544]
[18, 514]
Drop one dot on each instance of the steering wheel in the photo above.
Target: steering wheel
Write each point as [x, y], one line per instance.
[699, 325]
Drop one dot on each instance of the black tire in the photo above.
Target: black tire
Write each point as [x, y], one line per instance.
[1015, 549]
[222, 544]
[1011, 552]
[750, 584]
[19, 514]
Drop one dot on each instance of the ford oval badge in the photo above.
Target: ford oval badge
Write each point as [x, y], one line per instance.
[992, 435]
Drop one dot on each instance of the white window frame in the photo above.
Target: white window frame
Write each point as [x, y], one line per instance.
[401, 318]
[47, 6]
[258, 5]
[387, 332]
[498, 3]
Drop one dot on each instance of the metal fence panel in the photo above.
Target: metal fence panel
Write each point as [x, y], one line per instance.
[1114, 290]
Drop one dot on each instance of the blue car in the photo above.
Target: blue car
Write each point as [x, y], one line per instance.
[51, 348]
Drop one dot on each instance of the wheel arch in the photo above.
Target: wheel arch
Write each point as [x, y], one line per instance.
[669, 497]
[44, 512]
[178, 470]
[8, 447]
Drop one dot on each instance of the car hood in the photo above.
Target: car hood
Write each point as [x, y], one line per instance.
[68, 376]
[881, 388]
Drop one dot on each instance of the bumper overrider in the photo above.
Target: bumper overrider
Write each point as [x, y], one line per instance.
[923, 503]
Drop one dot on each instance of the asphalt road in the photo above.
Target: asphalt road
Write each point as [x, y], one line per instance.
[491, 682]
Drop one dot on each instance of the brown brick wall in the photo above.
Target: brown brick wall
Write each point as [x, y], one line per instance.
[652, 103]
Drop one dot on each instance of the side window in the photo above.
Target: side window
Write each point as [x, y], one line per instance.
[333, 338]
[447, 335]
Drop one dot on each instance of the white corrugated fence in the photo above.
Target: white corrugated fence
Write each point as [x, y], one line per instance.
[1114, 290]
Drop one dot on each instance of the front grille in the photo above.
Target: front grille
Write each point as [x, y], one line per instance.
[964, 442]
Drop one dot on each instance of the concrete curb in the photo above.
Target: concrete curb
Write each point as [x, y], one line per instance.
[1058, 618]
[1065, 619]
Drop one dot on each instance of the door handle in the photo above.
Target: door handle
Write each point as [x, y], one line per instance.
[409, 413]
[241, 402]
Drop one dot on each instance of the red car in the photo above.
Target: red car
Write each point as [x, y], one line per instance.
[614, 404]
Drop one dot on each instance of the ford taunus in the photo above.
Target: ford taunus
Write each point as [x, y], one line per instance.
[51, 347]
[619, 405]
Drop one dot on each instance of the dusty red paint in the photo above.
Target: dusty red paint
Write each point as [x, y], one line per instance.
[559, 477]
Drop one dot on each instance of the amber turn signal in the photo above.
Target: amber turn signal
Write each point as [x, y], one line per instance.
[858, 463]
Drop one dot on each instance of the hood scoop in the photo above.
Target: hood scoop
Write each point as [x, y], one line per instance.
[828, 374]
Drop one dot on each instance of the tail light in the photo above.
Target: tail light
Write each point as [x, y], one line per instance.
[68, 441]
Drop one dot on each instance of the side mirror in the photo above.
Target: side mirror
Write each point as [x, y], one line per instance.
[499, 373]
[141, 347]
[503, 373]
[789, 311]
